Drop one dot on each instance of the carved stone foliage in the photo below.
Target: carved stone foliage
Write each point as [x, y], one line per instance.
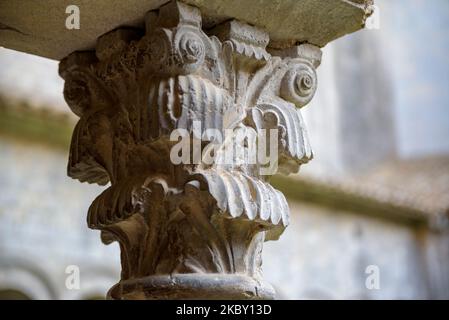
[187, 230]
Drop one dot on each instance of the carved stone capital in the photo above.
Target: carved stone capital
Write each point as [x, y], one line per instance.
[190, 230]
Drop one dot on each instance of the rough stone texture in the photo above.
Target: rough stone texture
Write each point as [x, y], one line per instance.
[38, 27]
[184, 228]
[193, 230]
[291, 21]
[336, 272]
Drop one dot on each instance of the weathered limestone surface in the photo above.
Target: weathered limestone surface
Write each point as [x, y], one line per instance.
[187, 230]
[38, 27]
[291, 21]
[193, 229]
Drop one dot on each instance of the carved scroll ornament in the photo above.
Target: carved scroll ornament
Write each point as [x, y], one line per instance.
[186, 230]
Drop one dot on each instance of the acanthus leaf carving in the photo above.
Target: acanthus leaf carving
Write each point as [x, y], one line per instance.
[178, 223]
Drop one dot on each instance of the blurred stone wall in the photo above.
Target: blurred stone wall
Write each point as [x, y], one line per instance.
[43, 227]
[326, 254]
[323, 254]
[382, 93]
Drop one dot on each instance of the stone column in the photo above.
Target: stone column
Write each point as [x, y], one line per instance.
[191, 229]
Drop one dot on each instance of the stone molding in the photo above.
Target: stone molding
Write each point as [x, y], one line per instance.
[184, 229]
